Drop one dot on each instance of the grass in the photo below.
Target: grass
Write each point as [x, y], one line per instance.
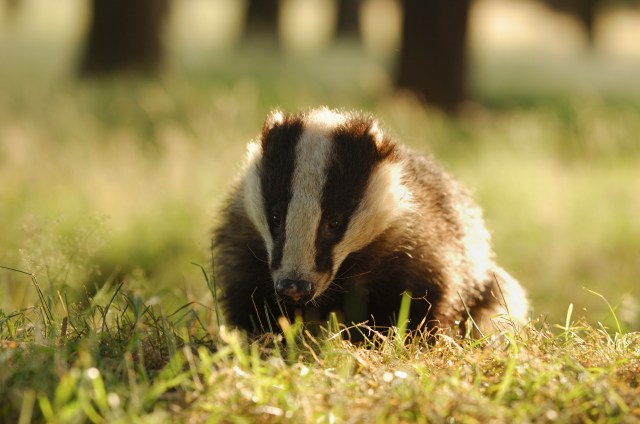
[124, 360]
[109, 189]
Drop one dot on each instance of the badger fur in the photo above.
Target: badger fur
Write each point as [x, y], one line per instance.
[329, 209]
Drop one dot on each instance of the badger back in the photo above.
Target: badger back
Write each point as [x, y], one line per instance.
[319, 186]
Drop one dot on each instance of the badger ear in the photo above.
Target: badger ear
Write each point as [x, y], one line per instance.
[255, 147]
[385, 146]
[275, 117]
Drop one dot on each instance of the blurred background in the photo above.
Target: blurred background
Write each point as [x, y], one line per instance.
[123, 122]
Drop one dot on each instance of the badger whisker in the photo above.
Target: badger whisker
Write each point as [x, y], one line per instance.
[256, 256]
[347, 277]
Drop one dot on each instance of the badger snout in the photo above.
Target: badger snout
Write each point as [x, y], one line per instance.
[295, 291]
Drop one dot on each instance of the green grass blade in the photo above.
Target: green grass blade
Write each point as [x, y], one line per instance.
[403, 319]
[613, 312]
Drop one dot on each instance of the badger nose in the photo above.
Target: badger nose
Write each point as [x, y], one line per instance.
[294, 291]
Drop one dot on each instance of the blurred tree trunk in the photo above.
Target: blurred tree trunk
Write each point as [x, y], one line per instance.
[348, 18]
[433, 58]
[584, 10]
[125, 35]
[587, 14]
[262, 18]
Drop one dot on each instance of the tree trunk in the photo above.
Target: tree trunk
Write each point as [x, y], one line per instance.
[587, 14]
[262, 18]
[584, 10]
[348, 18]
[433, 57]
[125, 35]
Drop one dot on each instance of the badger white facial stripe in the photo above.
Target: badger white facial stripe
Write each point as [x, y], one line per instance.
[324, 120]
[254, 202]
[312, 156]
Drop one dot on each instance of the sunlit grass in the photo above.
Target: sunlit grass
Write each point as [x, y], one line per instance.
[122, 358]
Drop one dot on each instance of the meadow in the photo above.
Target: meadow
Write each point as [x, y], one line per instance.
[109, 190]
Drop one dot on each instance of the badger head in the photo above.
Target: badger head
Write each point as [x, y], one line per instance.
[319, 186]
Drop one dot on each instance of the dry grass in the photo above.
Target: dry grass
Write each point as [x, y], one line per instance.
[123, 361]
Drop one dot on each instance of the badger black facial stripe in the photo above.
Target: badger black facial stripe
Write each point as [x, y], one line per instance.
[276, 174]
[354, 158]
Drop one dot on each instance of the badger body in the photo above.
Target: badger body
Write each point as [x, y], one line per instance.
[331, 215]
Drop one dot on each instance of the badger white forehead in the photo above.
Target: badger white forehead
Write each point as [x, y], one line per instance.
[325, 168]
[324, 120]
[317, 122]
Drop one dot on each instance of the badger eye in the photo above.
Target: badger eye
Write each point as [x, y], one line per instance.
[274, 219]
[335, 223]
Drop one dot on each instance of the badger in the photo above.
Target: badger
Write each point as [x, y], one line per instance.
[332, 215]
